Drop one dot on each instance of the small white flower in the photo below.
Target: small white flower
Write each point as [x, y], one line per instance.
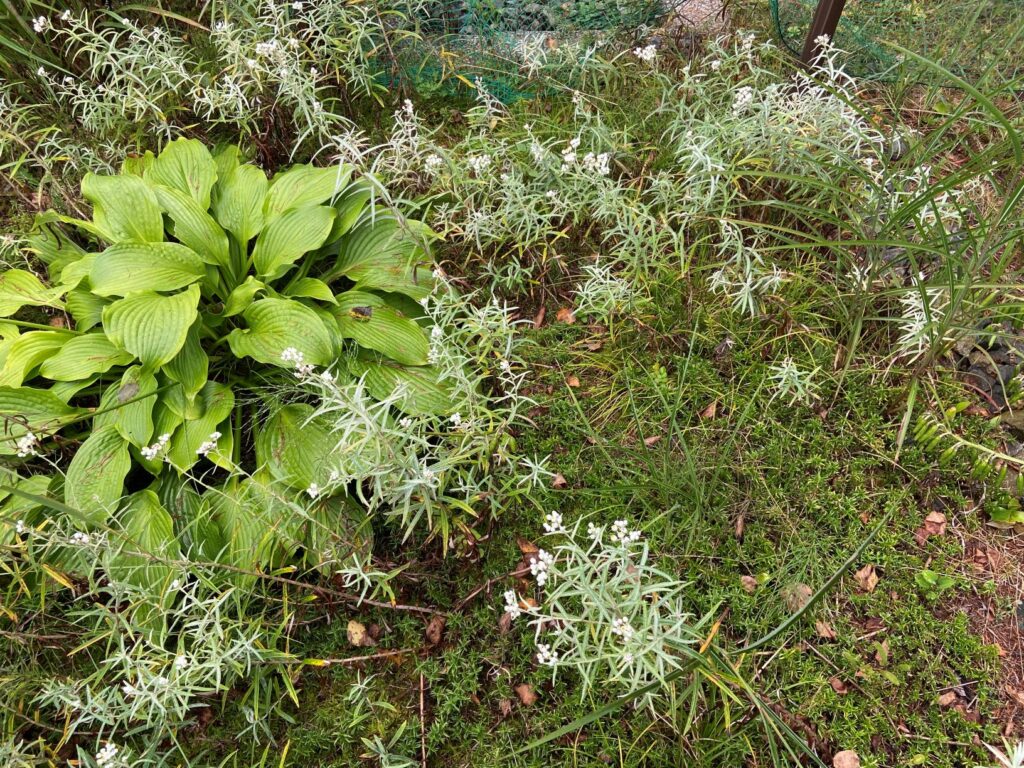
[128, 689]
[479, 163]
[433, 163]
[553, 523]
[161, 681]
[267, 48]
[296, 6]
[107, 756]
[546, 656]
[743, 99]
[40, 24]
[456, 419]
[505, 366]
[716, 65]
[20, 527]
[150, 452]
[210, 445]
[66, 16]
[437, 333]
[327, 377]
[291, 355]
[623, 629]
[646, 53]
[81, 539]
[405, 422]
[181, 661]
[512, 604]
[621, 533]
[594, 533]
[314, 491]
[26, 445]
[541, 565]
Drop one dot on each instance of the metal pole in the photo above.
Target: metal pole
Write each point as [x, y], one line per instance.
[826, 19]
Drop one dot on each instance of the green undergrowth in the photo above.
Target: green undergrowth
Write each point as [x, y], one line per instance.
[752, 487]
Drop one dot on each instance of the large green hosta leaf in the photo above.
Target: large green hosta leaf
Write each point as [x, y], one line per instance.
[419, 390]
[304, 185]
[25, 409]
[208, 414]
[296, 447]
[191, 366]
[338, 533]
[195, 227]
[289, 236]
[366, 318]
[128, 406]
[238, 202]
[150, 326]
[187, 166]
[131, 267]
[86, 308]
[19, 288]
[82, 356]
[29, 350]
[149, 548]
[95, 477]
[124, 208]
[382, 253]
[276, 325]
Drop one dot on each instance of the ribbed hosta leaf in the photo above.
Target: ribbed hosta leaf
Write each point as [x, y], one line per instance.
[194, 227]
[292, 234]
[187, 166]
[150, 326]
[304, 185]
[238, 202]
[242, 296]
[277, 324]
[124, 208]
[311, 288]
[295, 447]
[131, 267]
[82, 356]
[29, 350]
[86, 308]
[19, 288]
[95, 477]
[191, 366]
[128, 406]
[43, 413]
[421, 393]
[368, 320]
[209, 414]
[147, 544]
[380, 253]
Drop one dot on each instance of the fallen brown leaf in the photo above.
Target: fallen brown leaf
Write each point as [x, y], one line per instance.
[504, 623]
[709, 413]
[946, 700]
[559, 481]
[593, 346]
[741, 522]
[538, 319]
[572, 380]
[866, 578]
[649, 441]
[565, 315]
[846, 759]
[435, 629]
[749, 583]
[838, 686]
[358, 636]
[526, 546]
[505, 707]
[934, 525]
[824, 630]
[796, 595]
[526, 695]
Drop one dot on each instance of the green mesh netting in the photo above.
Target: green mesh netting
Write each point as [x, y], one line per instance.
[970, 39]
[462, 41]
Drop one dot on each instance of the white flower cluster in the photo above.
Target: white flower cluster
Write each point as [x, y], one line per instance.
[553, 523]
[150, 452]
[646, 53]
[545, 656]
[742, 100]
[540, 566]
[209, 446]
[621, 534]
[597, 165]
[26, 444]
[302, 368]
[623, 629]
[569, 153]
[512, 607]
[107, 757]
[81, 539]
[40, 24]
[479, 163]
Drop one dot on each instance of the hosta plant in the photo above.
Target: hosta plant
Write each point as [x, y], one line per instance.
[136, 376]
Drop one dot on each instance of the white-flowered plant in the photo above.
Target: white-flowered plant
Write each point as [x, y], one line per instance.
[606, 611]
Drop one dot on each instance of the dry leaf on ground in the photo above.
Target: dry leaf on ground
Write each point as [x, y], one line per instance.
[526, 695]
[358, 636]
[866, 578]
[565, 315]
[559, 481]
[749, 583]
[435, 629]
[946, 700]
[838, 686]
[796, 595]
[846, 759]
[572, 380]
[824, 630]
[934, 525]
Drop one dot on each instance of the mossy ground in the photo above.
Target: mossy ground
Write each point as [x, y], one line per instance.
[656, 420]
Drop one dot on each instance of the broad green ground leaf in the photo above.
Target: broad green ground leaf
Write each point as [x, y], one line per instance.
[292, 234]
[124, 208]
[65, 390]
[226, 159]
[349, 207]
[304, 185]
[194, 227]
[187, 166]
[210, 414]
[367, 319]
[421, 392]
[76, 271]
[43, 413]
[247, 530]
[131, 267]
[382, 254]
[20, 288]
[311, 288]
[295, 447]
[86, 308]
[82, 356]
[275, 325]
[238, 202]
[150, 326]
[29, 350]
[128, 406]
[16, 508]
[95, 477]
[191, 366]
[136, 165]
[48, 243]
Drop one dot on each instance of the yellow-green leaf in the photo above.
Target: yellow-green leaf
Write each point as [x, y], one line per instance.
[150, 326]
[83, 356]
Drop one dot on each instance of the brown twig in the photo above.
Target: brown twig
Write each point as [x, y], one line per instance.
[423, 726]
[522, 571]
